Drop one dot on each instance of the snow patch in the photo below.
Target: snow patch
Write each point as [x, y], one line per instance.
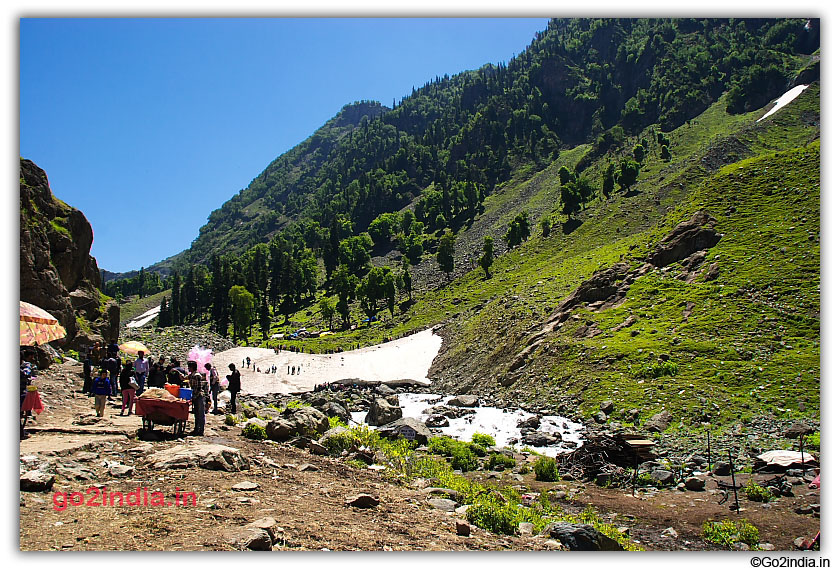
[789, 96]
[145, 318]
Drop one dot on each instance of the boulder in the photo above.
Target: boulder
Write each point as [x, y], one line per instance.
[688, 237]
[385, 390]
[462, 527]
[306, 421]
[36, 480]
[532, 422]
[695, 484]
[580, 537]
[662, 476]
[205, 455]
[721, 469]
[248, 537]
[541, 439]
[447, 505]
[659, 422]
[600, 417]
[267, 524]
[464, 401]
[336, 410]
[409, 428]
[437, 421]
[362, 501]
[607, 406]
[382, 412]
[120, 470]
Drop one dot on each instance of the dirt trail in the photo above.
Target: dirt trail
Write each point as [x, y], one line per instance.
[309, 505]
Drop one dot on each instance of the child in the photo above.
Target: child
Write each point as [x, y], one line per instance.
[128, 386]
[101, 392]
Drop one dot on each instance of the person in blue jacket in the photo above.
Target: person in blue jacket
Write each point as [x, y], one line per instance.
[101, 391]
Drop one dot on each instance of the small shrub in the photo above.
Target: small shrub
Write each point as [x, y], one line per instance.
[497, 459]
[545, 469]
[727, 532]
[656, 370]
[756, 492]
[489, 515]
[230, 420]
[477, 449]
[357, 463]
[337, 443]
[483, 440]
[335, 421]
[813, 441]
[441, 445]
[464, 459]
[294, 404]
[254, 431]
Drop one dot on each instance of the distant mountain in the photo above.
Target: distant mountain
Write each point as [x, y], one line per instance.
[580, 80]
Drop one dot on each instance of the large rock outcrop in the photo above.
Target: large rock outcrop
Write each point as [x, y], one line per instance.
[57, 271]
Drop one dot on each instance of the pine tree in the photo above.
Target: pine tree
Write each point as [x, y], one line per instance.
[486, 259]
[175, 306]
[164, 317]
[446, 253]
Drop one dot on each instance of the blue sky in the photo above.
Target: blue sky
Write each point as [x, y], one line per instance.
[147, 125]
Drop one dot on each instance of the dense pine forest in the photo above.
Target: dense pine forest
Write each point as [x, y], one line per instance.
[412, 177]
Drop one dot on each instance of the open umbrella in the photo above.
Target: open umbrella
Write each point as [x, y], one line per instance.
[38, 326]
[133, 347]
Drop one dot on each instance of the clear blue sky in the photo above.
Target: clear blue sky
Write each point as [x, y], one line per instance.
[147, 125]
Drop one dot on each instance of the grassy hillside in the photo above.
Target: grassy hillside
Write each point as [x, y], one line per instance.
[748, 347]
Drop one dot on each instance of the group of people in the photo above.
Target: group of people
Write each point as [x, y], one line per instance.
[129, 377]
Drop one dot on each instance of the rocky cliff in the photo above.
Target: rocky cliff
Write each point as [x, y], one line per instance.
[57, 271]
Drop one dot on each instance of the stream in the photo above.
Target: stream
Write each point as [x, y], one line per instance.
[497, 422]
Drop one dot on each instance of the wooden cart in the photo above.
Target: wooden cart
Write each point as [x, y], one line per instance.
[164, 412]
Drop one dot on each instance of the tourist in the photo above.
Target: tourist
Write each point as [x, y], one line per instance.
[213, 376]
[87, 371]
[141, 370]
[157, 374]
[128, 387]
[101, 392]
[199, 396]
[234, 386]
[113, 364]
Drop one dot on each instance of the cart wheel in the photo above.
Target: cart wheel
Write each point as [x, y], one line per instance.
[148, 425]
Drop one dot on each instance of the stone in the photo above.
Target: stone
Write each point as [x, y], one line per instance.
[305, 421]
[362, 501]
[462, 527]
[385, 390]
[601, 479]
[695, 484]
[721, 469]
[532, 422]
[307, 467]
[205, 455]
[76, 473]
[580, 537]
[670, 532]
[447, 505]
[525, 529]
[316, 448]
[382, 412]
[541, 439]
[267, 524]
[120, 470]
[451, 493]
[142, 449]
[36, 481]
[600, 417]
[409, 428]
[662, 476]
[607, 406]
[246, 486]
[464, 401]
[437, 421]
[248, 537]
[659, 422]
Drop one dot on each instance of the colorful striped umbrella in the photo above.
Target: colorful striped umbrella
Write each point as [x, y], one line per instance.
[38, 326]
[133, 347]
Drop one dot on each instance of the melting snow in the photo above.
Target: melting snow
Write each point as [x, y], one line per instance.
[145, 318]
[784, 100]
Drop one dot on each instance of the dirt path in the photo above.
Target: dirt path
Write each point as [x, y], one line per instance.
[308, 504]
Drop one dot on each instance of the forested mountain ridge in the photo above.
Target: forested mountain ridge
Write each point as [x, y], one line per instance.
[580, 80]
[497, 263]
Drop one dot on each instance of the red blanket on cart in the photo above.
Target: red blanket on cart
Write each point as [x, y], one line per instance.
[178, 410]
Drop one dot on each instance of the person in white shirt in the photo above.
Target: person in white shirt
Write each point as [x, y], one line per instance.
[141, 370]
